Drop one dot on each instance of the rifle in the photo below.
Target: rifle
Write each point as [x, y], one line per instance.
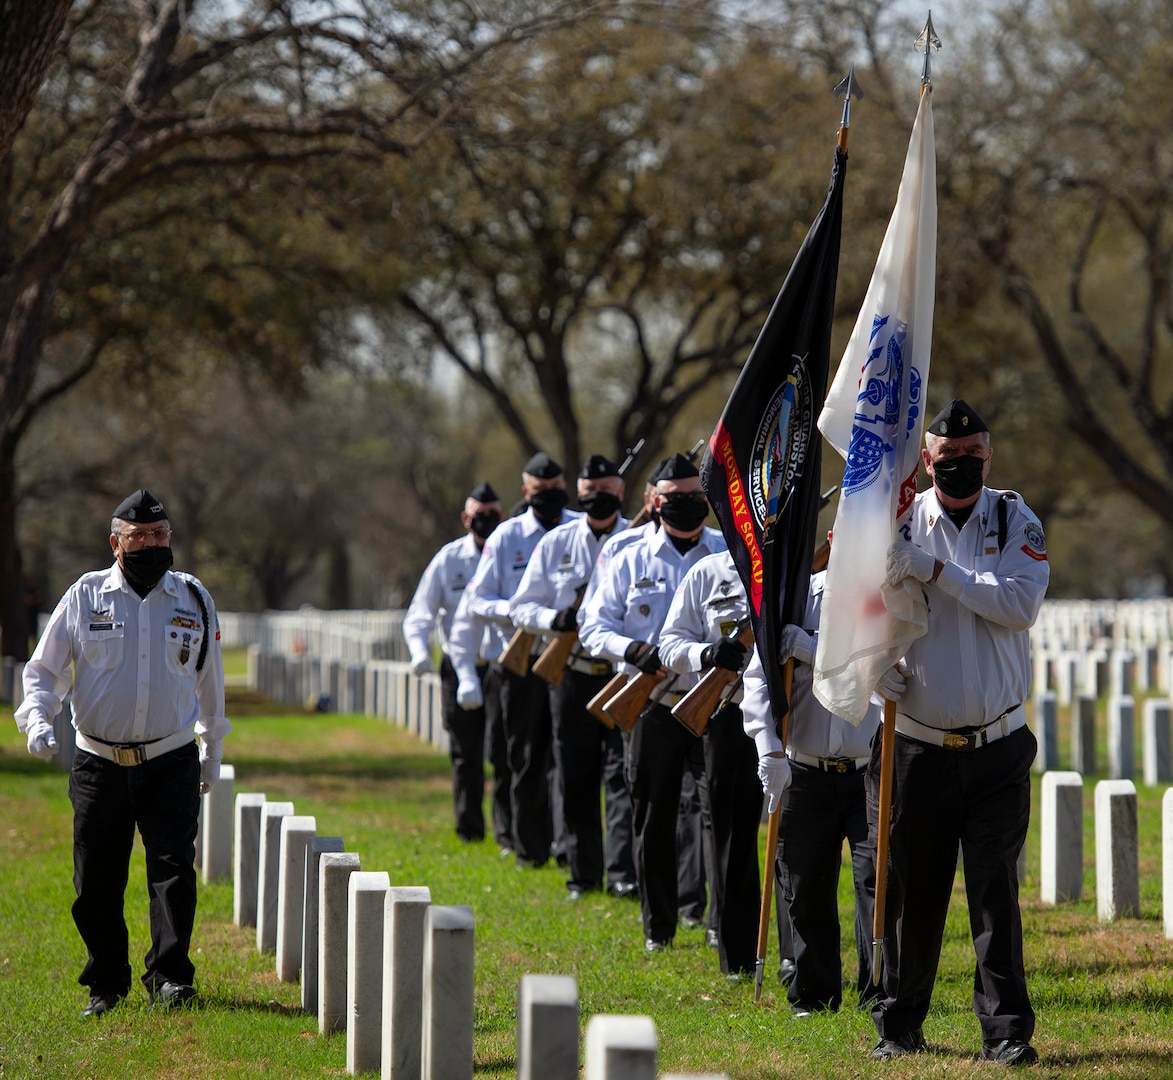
[552, 662]
[626, 707]
[516, 656]
[595, 705]
[698, 706]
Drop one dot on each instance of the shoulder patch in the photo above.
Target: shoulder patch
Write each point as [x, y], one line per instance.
[1036, 542]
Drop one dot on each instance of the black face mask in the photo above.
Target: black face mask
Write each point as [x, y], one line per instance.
[684, 511]
[600, 505]
[484, 523]
[144, 568]
[547, 505]
[959, 477]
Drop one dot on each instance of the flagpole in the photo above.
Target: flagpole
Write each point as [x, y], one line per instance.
[930, 43]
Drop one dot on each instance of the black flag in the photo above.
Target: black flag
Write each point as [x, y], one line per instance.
[761, 471]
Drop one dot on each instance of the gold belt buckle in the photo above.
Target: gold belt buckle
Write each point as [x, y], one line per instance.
[838, 764]
[128, 755]
[956, 742]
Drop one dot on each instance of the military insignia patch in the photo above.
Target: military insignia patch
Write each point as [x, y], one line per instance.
[1036, 543]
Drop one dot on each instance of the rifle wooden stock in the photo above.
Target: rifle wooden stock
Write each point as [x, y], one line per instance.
[697, 707]
[515, 658]
[595, 705]
[552, 663]
[625, 707]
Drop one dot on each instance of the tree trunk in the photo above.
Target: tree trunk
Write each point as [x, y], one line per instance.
[14, 631]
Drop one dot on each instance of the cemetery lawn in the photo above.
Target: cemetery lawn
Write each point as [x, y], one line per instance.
[1104, 994]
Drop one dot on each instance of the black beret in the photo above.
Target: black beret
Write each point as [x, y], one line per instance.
[141, 506]
[677, 467]
[483, 492]
[956, 421]
[542, 466]
[596, 467]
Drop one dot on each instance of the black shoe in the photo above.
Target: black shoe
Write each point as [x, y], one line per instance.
[1010, 1052]
[786, 970]
[688, 922]
[169, 994]
[802, 1012]
[912, 1042]
[712, 939]
[101, 1004]
[575, 891]
[652, 945]
[624, 890]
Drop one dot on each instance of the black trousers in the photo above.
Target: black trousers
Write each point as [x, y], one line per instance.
[694, 831]
[525, 705]
[735, 807]
[659, 750]
[819, 811]
[161, 798]
[496, 749]
[467, 746]
[588, 754]
[941, 798]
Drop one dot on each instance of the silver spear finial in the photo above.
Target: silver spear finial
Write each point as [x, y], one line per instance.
[848, 89]
[928, 43]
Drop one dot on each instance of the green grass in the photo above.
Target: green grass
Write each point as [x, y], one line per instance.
[1104, 994]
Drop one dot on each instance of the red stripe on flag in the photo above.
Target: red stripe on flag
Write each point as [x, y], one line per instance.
[721, 447]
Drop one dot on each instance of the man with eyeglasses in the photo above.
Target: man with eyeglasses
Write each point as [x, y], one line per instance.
[140, 646]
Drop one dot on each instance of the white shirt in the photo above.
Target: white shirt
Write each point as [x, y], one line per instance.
[708, 603]
[563, 562]
[437, 595]
[812, 728]
[504, 559]
[133, 663]
[974, 662]
[635, 593]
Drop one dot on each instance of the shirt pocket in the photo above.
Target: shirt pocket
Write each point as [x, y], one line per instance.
[646, 607]
[181, 646]
[102, 648]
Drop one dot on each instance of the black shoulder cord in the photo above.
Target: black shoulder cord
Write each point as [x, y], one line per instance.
[1003, 503]
[207, 627]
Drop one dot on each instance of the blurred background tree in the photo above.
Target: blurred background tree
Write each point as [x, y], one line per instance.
[310, 272]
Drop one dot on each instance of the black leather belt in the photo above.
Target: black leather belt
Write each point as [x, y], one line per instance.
[842, 765]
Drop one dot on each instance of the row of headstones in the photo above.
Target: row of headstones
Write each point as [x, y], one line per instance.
[384, 964]
[383, 688]
[1098, 671]
[1074, 623]
[1117, 846]
[1156, 736]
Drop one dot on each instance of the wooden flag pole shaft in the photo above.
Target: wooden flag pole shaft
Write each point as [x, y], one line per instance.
[883, 826]
[771, 855]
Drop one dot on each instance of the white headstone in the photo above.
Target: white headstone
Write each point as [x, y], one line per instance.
[404, 918]
[269, 873]
[1083, 734]
[216, 853]
[1062, 837]
[1117, 867]
[1046, 732]
[621, 1048]
[333, 927]
[1067, 677]
[296, 833]
[366, 900]
[449, 989]
[317, 846]
[547, 1028]
[1121, 664]
[1167, 859]
[1121, 738]
[1158, 763]
[246, 857]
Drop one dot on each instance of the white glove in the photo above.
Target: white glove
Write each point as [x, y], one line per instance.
[209, 774]
[796, 643]
[906, 560]
[469, 695]
[893, 682]
[421, 665]
[42, 742]
[774, 773]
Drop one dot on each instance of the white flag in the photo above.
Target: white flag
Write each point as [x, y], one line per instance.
[874, 415]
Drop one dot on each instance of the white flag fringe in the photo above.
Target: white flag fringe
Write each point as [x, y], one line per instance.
[874, 417]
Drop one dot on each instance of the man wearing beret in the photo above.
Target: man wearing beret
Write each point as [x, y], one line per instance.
[433, 607]
[140, 646]
[525, 701]
[963, 751]
[586, 754]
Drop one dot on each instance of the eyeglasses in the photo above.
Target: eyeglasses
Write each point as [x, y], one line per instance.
[137, 538]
